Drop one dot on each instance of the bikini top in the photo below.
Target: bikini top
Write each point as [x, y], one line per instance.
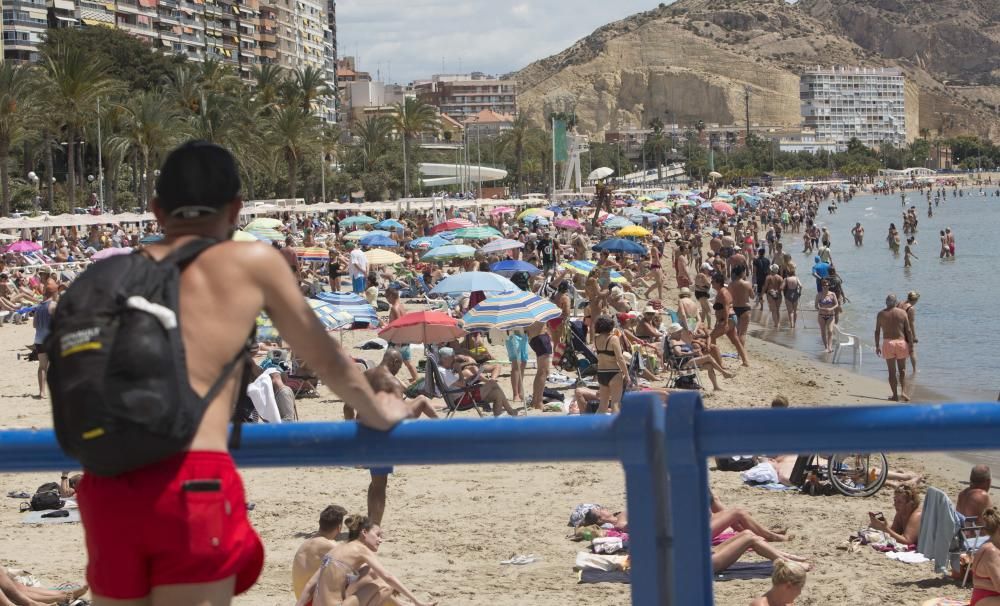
[606, 352]
[351, 574]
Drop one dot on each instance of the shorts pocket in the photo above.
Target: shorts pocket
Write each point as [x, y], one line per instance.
[206, 521]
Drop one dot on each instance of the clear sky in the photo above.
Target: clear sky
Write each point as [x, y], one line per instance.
[405, 40]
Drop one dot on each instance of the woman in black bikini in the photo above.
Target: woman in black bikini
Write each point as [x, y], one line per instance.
[792, 292]
[611, 365]
[541, 343]
[351, 574]
[826, 306]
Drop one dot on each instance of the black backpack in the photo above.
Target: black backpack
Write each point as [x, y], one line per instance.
[46, 500]
[121, 397]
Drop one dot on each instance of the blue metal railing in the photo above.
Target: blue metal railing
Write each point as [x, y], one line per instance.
[660, 449]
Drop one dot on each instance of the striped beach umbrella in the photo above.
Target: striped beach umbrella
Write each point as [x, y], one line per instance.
[357, 220]
[423, 327]
[508, 311]
[267, 233]
[536, 212]
[264, 222]
[501, 245]
[352, 304]
[427, 242]
[451, 224]
[381, 256]
[479, 232]
[585, 267]
[617, 223]
[331, 318]
[451, 251]
[312, 253]
[242, 236]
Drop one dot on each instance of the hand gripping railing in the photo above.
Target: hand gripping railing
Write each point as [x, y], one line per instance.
[663, 452]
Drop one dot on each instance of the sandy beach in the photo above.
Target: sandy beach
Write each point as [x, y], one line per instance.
[448, 528]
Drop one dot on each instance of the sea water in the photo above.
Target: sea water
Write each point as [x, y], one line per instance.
[956, 315]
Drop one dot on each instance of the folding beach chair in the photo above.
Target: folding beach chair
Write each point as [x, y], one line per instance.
[578, 350]
[684, 372]
[456, 399]
[967, 536]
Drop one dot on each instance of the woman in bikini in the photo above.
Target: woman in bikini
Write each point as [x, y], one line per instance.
[351, 574]
[792, 291]
[773, 285]
[655, 272]
[703, 292]
[612, 368]
[540, 342]
[681, 266]
[826, 305]
[986, 563]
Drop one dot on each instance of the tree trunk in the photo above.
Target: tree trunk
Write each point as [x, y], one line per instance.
[144, 177]
[4, 180]
[519, 166]
[50, 171]
[71, 167]
[293, 174]
[110, 178]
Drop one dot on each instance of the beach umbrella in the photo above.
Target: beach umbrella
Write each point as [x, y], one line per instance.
[381, 256]
[600, 173]
[241, 236]
[706, 205]
[23, 246]
[391, 225]
[427, 242]
[502, 210]
[479, 232]
[264, 222]
[724, 208]
[501, 245]
[634, 231]
[357, 220]
[374, 239]
[664, 211]
[509, 311]
[332, 319]
[471, 281]
[312, 253]
[714, 175]
[618, 245]
[579, 203]
[532, 212]
[686, 203]
[357, 235]
[509, 267]
[267, 233]
[659, 195]
[724, 196]
[451, 224]
[107, 253]
[568, 224]
[151, 239]
[617, 223]
[423, 327]
[585, 267]
[537, 220]
[356, 306]
[451, 251]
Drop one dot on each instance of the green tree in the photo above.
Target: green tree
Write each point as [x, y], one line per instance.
[71, 88]
[152, 125]
[412, 118]
[372, 137]
[292, 132]
[517, 140]
[305, 88]
[15, 105]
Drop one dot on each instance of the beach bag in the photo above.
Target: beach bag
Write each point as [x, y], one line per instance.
[121, 397]
[45, 500]
[737, 463]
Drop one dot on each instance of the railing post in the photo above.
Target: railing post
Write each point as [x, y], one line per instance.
[641, 444]
[691, 554]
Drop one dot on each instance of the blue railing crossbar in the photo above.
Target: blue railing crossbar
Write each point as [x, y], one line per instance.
[662, 449]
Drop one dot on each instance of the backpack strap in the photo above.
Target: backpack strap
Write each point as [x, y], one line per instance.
[188, 252]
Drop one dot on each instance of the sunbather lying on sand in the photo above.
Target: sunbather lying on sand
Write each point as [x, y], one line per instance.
[739, 520]
[12, 592]
[729, 552]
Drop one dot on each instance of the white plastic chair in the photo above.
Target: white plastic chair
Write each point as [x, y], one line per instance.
[844, 340]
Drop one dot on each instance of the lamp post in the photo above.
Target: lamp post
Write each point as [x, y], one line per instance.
[37, 182]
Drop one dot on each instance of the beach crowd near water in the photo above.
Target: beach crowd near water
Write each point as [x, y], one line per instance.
[649, 291]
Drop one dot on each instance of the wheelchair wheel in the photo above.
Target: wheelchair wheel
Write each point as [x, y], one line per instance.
[858, 474]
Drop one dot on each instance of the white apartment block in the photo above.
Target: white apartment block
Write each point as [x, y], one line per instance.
[842, 103]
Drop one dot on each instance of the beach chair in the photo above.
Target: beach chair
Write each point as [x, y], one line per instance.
[456, 399]
[682, 368]
[967, 536]
[578, 350]
[844, 340]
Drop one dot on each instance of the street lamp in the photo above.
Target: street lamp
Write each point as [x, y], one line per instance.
[36, 181]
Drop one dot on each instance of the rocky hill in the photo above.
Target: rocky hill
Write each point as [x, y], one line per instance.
[694, 59]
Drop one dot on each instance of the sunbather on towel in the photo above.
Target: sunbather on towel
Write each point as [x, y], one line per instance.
[729, 552]
[17, 593]
[600, 516]
[787, 582]
[352, 575]
[905, 527]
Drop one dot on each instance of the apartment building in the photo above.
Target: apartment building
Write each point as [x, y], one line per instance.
[842, 103]
[463, 96]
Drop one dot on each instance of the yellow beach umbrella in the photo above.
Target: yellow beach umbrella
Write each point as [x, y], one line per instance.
[381, 256]
[635, 231]
[241, 236]
[544, 212]
[357, 235]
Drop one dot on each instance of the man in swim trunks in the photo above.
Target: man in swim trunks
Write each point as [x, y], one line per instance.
[895, 326]
[310, 554]
[176, 531]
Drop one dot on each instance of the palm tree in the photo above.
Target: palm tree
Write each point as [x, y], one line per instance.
[184, 88]
[152, 125]
[73, 83]
[14, 108]
[268, 81]
[372, 135]
[291, 131]
[305, 87]
[413, 117]
[515, 140]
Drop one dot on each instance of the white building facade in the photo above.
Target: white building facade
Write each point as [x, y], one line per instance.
[842, 103]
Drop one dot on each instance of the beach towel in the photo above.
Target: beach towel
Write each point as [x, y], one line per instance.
[604, 576]
[594, 561]
[261, 393]
[938, 526]
[763, 473]
[909, 557]
[741, 571]
[35, 517]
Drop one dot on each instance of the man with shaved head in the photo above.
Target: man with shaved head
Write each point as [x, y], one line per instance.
[976, 498]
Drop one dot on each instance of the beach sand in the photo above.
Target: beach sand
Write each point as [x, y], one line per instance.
[448, 527]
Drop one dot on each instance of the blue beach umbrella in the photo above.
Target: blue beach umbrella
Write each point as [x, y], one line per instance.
[617, 223]
[390, 224]
[620, 245]
[471, 281]
[585, 267]
[352, 304]
[357, 220]
[451, 251]
[378, 240]
[331, 317]
[509, 311]
[512, 266]
[427, 242]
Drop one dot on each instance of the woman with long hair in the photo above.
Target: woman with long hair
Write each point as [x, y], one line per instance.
[612, 368]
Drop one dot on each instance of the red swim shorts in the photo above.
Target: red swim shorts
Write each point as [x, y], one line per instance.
[182, 520]
[895, 349]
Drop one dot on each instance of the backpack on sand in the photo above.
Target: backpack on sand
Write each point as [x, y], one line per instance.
[121, 397]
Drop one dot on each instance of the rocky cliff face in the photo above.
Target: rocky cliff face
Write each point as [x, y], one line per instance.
[695, 59]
